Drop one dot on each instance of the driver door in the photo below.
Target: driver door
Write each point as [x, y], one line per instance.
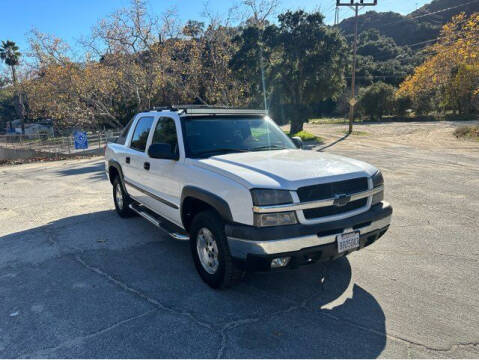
[163, 180]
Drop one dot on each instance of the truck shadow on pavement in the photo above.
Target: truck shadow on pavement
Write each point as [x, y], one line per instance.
[95, 285]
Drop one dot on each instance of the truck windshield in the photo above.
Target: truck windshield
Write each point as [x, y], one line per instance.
[210, 136]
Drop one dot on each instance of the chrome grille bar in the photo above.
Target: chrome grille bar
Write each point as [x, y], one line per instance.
[314, 204]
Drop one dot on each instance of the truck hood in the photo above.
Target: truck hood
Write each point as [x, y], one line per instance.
[285, 169]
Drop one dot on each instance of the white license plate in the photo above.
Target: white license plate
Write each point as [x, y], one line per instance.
[348, 241]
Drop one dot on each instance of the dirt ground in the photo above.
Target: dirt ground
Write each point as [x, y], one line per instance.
[428, 135]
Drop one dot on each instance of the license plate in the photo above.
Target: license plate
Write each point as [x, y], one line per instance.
[348, 241]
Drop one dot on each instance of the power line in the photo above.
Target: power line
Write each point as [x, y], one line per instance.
[431, 40]
[423, 42]
[379, 76]
[428, 14]
[431, 13]
[443, 10]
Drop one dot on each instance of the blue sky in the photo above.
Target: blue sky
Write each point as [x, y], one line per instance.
[71, 19]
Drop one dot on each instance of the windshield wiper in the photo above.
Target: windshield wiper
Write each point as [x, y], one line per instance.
[219, 151]
[269, 147]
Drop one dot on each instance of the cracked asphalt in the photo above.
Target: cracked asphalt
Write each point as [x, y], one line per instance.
[78, 281]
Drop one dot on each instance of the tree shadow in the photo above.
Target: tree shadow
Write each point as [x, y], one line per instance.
[97, 170]
[333, 143]
[311, 312]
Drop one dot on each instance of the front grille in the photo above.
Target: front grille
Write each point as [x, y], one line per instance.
[328, 191]
[334, 210]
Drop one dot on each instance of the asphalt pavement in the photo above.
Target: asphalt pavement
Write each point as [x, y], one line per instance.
[76, 280]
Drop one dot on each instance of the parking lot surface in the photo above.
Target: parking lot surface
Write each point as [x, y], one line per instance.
[78, 281]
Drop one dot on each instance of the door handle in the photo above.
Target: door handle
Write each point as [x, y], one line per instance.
[127, 159]
[146, 166]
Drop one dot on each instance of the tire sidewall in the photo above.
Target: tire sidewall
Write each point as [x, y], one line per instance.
[124, 212]
[212, 222]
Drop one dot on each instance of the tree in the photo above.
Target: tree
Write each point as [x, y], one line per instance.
[462, 90]
[377, 100]
[260, 11]
[193, 28]
[307, 62]
[10, 54]
[450, 73]
[402, 104]
[303, 63]
[128, 69]
[248, 66]
[7, 105]
[381, 59]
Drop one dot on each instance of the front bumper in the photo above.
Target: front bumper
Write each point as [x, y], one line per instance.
[254, 248]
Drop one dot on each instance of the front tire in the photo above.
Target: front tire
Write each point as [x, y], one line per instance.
[210, 251]
[121, 199]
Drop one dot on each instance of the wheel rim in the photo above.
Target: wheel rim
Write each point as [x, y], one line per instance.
[207, 250]
[119, 197]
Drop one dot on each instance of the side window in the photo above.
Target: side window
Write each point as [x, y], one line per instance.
[140, 136]
[124, 133]
[165, 132]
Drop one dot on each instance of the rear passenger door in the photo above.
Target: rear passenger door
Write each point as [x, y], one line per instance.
[136, 160]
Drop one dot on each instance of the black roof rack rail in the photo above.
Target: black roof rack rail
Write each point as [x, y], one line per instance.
[210, 110]
[161, 108]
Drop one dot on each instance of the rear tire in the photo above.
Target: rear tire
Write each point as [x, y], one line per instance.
[210, 251]
[121, 199]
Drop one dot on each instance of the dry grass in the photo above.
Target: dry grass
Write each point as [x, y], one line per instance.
[470, 132]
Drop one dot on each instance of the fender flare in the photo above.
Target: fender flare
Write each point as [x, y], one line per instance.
[216, 202]
[115, 164]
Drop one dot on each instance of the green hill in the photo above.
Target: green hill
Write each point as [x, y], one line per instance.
[415, 27]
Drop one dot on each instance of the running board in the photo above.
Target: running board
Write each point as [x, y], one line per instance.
[159, 223]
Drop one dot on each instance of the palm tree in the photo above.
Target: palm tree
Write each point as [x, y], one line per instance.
[11, 56]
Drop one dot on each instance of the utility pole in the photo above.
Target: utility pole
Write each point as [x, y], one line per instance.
[356, 5]
[336, 16]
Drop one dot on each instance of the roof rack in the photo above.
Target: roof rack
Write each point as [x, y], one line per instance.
[162, 108]
[210, 110]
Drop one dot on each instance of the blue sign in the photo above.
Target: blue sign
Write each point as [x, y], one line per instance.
[81, 140]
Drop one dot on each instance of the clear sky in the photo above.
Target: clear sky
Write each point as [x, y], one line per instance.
[71, 19]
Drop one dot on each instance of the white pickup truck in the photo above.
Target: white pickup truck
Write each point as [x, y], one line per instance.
[245, 195]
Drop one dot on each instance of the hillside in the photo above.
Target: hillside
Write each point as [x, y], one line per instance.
[445, 10]
[414, 27]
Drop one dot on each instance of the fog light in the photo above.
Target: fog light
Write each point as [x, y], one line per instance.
[280, 262]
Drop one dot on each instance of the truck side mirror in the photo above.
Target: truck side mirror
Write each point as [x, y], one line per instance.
[297, 141]
[162, 151]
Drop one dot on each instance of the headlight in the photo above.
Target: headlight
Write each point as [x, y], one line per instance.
[264, 197]
[275, 219]
[378, 180]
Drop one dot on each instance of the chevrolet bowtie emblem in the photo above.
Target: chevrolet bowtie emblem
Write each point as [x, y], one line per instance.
[341, 199]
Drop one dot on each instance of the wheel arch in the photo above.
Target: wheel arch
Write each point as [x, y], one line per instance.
[195, 200]
[114, 170]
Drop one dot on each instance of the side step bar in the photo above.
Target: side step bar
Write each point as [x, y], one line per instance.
[160, 223]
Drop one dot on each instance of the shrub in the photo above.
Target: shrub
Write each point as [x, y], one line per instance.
[467, 131]
[402, 104]
[305, 136]
[377, 100]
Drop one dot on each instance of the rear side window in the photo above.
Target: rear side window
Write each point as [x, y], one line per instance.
[124, 133]
[140, 136]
